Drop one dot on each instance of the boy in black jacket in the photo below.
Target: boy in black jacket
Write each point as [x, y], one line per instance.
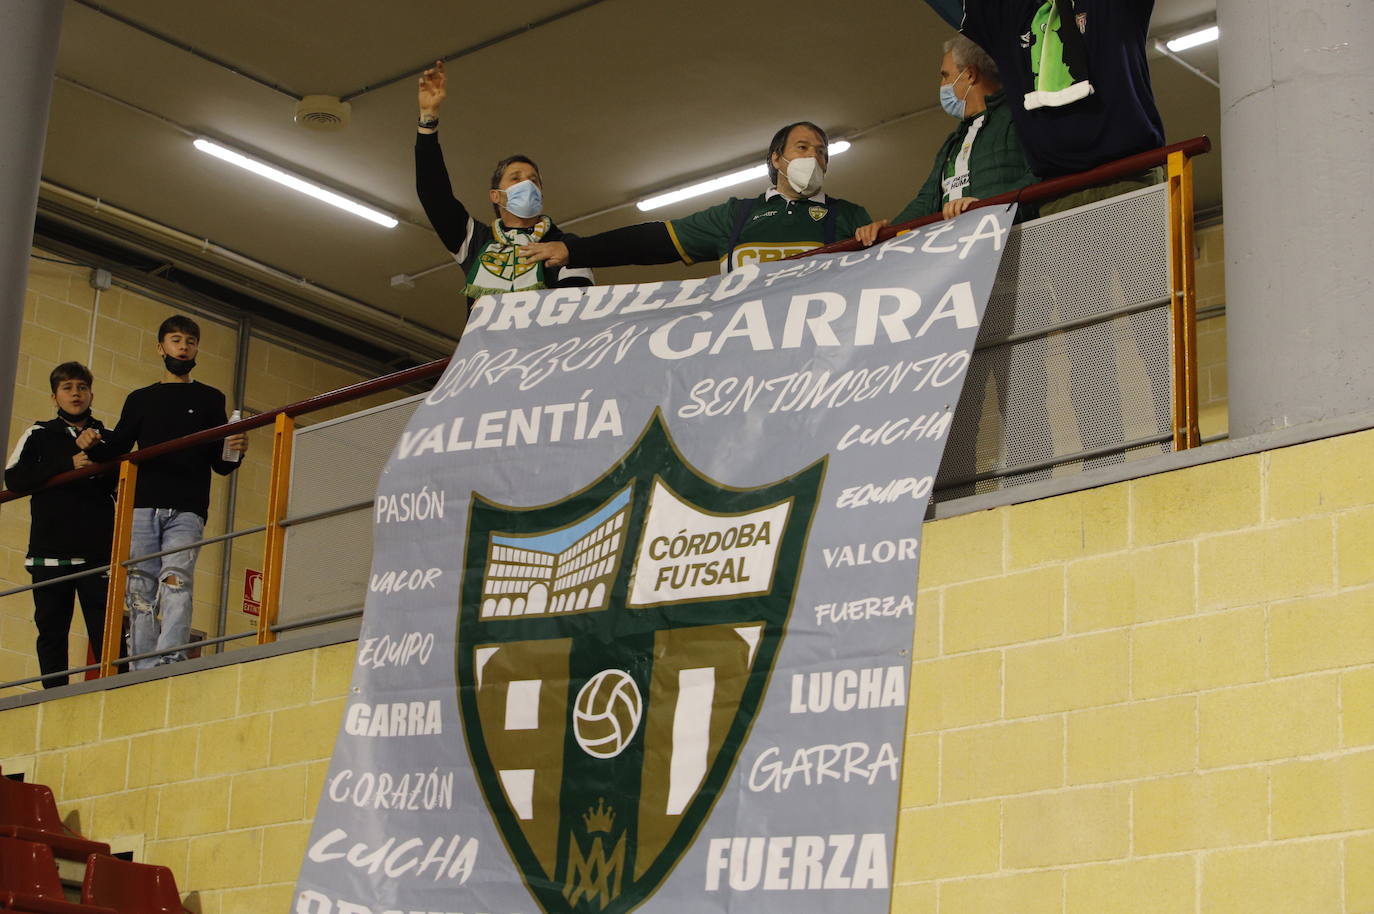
[173, 492]
[72, 524]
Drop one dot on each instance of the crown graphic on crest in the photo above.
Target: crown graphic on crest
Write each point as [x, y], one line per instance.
[599, 818]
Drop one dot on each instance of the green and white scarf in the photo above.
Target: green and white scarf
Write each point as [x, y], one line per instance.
[1058, 56]
[499, 268]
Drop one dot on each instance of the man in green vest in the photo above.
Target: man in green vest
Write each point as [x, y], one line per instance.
[790, 218]
[982, 157]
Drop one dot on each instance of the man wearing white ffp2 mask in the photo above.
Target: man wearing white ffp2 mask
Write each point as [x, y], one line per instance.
[802, 160]
[791, 217]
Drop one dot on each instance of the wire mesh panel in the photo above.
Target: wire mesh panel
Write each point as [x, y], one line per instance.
[1073, 368]
[335, 465]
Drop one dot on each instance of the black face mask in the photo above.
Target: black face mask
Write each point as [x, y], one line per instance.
[73, 418]
[178, 367]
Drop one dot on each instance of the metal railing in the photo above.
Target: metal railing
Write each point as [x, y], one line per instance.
[1185, 433]
[1177, 158]
[267, 629]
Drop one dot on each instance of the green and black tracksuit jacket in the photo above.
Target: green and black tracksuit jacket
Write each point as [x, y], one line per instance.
[762, 229]
[993, 164]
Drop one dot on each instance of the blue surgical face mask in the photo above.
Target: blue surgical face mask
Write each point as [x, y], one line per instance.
[954, 106]
[524, 200]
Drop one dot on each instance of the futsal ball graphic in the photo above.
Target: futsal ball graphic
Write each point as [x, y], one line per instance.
[607, 713]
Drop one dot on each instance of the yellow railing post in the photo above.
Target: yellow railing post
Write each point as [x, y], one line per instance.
[1183, 302]
[119, 573]
[283, 436]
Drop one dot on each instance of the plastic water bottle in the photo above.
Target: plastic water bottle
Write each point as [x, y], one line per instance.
[229, 454]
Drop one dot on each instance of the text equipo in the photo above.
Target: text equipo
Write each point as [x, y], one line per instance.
[886, 493]
[399, 651]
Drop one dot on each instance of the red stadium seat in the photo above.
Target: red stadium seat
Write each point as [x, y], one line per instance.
[130, 888]
[29, 812]
[29, 882]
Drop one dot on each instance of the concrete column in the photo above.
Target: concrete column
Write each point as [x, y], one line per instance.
[1297, 117]
[28, 59]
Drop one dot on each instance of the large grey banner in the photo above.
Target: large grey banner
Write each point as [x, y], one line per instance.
[643, 595]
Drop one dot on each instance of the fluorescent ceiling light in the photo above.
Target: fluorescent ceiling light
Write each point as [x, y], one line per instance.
[1193, 39]
[724, 181]
[299, 184]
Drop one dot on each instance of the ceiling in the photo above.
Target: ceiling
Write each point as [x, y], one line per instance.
[615, 99]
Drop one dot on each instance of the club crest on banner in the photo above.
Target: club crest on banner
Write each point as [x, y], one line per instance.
[613, 651]
[505, 262]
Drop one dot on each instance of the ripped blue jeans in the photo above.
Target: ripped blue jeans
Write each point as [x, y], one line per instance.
[158, 594]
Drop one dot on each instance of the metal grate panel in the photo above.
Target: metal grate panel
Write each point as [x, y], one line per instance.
[326, 567]
[1074, 362]
[1074, 265]
[336, 464]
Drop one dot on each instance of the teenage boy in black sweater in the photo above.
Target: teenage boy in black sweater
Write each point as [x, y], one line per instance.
[72, 524]
[173, 492]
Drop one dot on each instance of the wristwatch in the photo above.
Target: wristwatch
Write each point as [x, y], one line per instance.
[429, 121]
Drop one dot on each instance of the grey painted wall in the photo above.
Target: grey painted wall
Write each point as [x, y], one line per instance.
[1297, 99]
[28, 58]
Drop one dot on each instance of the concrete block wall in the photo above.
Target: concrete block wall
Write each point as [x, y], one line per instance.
[116, 338]
[1156, 696]
[214, 774]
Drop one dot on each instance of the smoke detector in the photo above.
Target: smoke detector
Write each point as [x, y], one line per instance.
[322, 112]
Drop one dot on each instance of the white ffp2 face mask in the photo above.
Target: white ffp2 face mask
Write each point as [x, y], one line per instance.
[805, 175]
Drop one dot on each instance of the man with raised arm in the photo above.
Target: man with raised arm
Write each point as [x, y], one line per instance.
[488, 253]
[1076, 79]
[790, 218]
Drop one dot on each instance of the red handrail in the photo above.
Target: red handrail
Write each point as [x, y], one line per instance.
[308, 405]
[1044, 190]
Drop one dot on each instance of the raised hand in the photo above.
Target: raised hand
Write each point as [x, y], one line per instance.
[432, 91]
